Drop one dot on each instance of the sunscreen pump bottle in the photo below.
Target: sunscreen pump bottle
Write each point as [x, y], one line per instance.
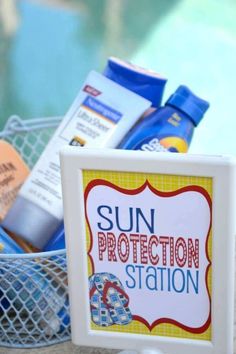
[169, 128]
[101, 115]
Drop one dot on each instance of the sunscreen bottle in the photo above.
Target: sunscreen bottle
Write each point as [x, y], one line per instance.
[7, 244]
[145, 83]
[33, 287]
[57, 241]
[100, 116]
[45, 303]
[13, 173]
[169, 128]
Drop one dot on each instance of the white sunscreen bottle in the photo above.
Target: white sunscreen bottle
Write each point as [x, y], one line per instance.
[101, 115]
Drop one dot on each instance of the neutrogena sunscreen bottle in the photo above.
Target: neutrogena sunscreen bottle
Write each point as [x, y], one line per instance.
[169, 128]
[101, 115]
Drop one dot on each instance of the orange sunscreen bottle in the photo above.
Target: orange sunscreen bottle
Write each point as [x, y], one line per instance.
[13, 172]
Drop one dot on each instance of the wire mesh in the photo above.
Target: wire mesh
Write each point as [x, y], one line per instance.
[34, 304]
[29, 137]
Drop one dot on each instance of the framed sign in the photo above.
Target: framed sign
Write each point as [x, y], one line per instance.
[150, 246]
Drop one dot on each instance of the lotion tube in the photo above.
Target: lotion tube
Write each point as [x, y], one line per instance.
[101, 115]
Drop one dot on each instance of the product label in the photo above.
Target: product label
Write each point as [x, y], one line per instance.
[152, 144]
[171, 144]
[93, 122]
[149, 253]
[102, 113]
[13, 172]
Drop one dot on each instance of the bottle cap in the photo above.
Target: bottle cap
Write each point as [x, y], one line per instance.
[189, 103]
[145, 83]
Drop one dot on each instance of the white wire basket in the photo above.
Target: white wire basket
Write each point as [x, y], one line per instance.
[34, 304]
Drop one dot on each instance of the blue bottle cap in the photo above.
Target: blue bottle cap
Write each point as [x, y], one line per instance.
[189, 103]
[145, 83]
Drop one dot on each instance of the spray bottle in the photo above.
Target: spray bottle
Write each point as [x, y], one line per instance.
[169, 128]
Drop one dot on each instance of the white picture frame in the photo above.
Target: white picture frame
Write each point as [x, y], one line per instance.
[221, 169]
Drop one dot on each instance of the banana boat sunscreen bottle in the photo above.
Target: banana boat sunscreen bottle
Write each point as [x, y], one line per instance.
[170, 128]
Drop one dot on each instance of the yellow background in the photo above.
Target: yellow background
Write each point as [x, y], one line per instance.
[165, 183]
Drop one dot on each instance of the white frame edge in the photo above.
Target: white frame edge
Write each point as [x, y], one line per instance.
[222, 170]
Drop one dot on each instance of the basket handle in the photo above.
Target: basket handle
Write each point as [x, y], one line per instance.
[16, 124]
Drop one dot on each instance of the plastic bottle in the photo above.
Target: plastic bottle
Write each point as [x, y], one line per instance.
[7, 244]
[25, 285]
[57, 241]
[32, 290]
[145, 83]
[13, 173]
[102, 113]
[169, 128]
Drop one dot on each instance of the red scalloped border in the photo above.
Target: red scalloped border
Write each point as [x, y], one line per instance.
[101, 182]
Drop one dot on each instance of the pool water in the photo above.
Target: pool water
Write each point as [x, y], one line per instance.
[48, 47]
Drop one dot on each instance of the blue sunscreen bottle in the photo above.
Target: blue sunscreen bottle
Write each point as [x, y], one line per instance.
[57, 241]
[145, 83]
[170, 128]
[37, 293]
[26, 286]
[7, 246]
